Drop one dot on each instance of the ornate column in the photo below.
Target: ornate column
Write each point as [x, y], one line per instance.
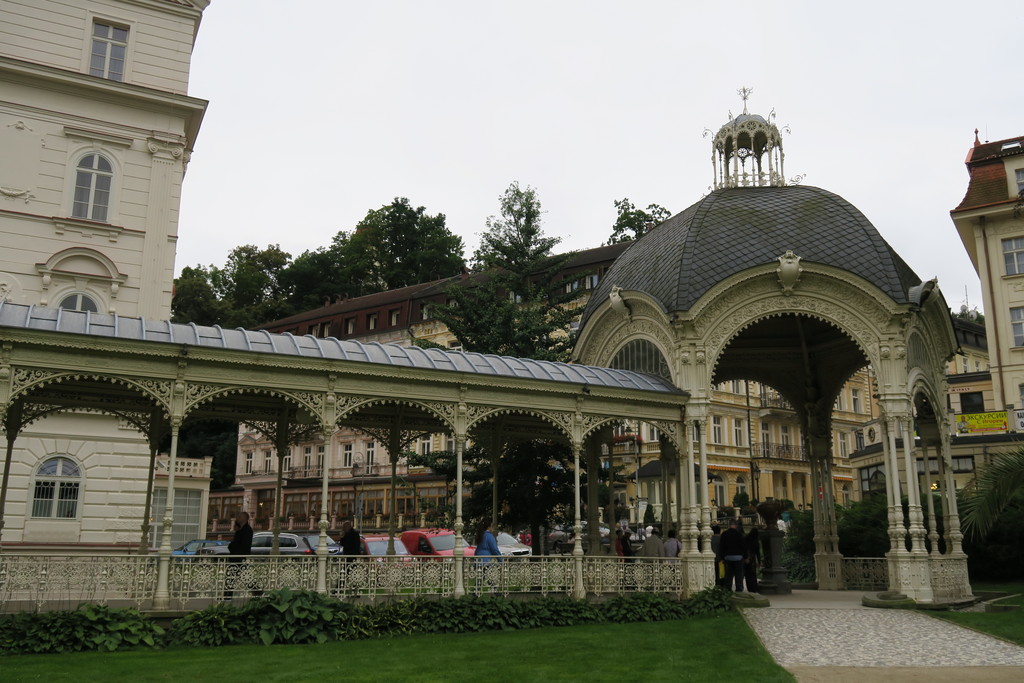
[162, 595]
[692, 533]
[931, 520]
[579, 592]
[828, 561]
[460, 543]
[913, 494]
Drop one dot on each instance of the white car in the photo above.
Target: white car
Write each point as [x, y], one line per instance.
[508, 546]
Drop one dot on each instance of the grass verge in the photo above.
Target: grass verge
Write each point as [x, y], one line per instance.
[714, 648]
[1005, 625]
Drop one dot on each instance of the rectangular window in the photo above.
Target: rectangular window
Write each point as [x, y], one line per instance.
[371, 321]
[859, 437]
[286, 461]
[425, 445]
[307, 457]
[350, 325]
[346, 455]
[321, 450]
[785, 435]
[972, 402]
[268, 459]
[109, 48]
[1017, 318]
[839, 401]
[1020, 180]
[425, 311]
[716, 429]
[1013, 255]
[592, 281]
[394, 316]
[963, 463]
[371, 452]
[737, 430]
[248, 462]
[963, 365]
[187, 509]
[844, 445]
[855, 399]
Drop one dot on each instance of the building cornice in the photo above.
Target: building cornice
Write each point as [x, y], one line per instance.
[192, 109]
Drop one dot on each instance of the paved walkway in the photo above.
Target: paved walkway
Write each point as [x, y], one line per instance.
[821, 636]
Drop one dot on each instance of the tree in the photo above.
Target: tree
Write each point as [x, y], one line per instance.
[633, 223]
[319, 276]
[996, 488]
[249, 286]
[195, 300]
[398, 245]
[516, 302]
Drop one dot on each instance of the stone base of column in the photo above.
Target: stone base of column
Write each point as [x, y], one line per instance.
[828, 568]
[699, 571]
[912, 574]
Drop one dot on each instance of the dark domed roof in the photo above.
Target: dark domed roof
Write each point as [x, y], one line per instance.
[734, 229]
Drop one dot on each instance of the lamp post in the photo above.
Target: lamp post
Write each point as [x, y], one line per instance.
[636, 457]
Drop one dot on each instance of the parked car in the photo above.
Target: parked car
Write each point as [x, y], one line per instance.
[378, 546]
[432, 542]
[560, 537]
[509, 546]
[194, 546]
[288, 543]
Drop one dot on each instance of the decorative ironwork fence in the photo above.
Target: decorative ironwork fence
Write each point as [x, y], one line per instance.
[865, 573]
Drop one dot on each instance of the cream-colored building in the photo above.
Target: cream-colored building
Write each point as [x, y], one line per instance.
[96, 128]
[991, 227]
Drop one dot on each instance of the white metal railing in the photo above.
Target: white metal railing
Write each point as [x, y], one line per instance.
[36, 583]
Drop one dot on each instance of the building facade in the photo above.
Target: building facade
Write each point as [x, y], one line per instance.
[96, 128]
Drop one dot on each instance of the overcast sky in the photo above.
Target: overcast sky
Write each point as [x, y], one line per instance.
[321, 110]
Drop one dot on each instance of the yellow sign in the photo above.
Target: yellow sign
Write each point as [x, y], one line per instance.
[981, 423]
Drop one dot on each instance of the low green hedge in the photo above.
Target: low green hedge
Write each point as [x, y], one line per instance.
[287, 616]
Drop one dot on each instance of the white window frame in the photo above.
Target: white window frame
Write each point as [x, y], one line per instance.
[90, 170]
[109, 40]
[371, 453]
[855, 400]
[1019, 173]
[738, 430]
[346, 455]
[716, 429]
[80, 299]
[1017, 321]
[65, 491]
[1013, 255]
[248, 462]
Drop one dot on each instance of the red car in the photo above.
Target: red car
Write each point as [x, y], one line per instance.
[432, 542]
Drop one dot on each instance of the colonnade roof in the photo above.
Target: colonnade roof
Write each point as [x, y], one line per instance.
[42, 318]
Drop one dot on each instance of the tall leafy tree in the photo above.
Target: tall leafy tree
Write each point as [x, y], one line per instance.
[399, 245]
[250, 286]
[195, 300]
[516, 302]
[632, 223]
[320, 275]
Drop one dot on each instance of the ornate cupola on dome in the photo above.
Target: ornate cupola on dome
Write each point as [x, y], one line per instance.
[747, 151]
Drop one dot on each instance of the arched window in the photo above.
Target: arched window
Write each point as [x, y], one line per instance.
[92, 188]
[79, 302]
[58, 481]
[640, 355]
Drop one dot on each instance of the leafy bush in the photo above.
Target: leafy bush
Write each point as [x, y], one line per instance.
[90, 627]
[287, 616]
[219, 624]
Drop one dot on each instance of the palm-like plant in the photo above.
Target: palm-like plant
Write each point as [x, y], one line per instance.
[994, 489]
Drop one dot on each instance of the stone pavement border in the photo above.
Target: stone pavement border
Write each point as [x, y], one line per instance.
[821, 636]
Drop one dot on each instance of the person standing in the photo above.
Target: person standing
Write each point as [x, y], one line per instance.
[653, 545]
[753, 561]
[238, 548]
[627, 547]
[618, 542]
[672, 546]
[733, 549]
[351, 543]
[486, 546]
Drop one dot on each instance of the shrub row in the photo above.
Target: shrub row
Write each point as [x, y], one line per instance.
[287, 616]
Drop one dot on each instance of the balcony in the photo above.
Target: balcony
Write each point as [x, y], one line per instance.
[778, 451]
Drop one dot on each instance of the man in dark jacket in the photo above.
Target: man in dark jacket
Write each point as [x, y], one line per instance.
[733, 551]
[351, 544]
[239, 546]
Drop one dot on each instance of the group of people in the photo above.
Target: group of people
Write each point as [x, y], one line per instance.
[652, 546]
[737, 557]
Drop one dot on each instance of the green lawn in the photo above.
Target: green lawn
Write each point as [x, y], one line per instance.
[1005, 625]
[720, 648]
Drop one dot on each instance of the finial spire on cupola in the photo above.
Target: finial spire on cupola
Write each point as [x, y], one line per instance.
[747, 151]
